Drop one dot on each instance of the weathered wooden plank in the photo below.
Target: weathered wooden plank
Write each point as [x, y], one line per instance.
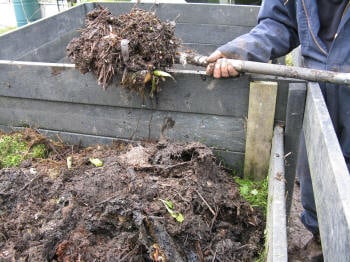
[126, 123]
[202, 49]
[216, 27]
[52, 51]
[26, 38]
[209, 34]
[190, 93]
[261, 112]
[228, 158]
[276, 222]
[203, 39]
[330, 177]
[196, 14]
[220, 28]
[293, 126]
[281, 102]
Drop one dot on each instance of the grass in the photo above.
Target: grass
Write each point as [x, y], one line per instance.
[255, 192]
[39, 151]
[6, 29]
[11, 150]
[289, 60]
[14, 149]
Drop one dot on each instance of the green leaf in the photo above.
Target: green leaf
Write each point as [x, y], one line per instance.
[244, 189]
[96, 162]
[161, 73]
[179, 218]
[168, 203]
[154, 86]
[169, 207]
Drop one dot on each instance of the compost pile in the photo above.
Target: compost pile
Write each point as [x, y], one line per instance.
[147, 202]
[129, 46]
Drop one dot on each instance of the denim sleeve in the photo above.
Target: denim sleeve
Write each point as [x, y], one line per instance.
[274, 36]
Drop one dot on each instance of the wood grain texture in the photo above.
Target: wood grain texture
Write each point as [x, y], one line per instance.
[330, 177]
[189, 93]
[276, 222]
[195, 13]
[261, 112]
[293, 129]
[27, 38]
[126, 123]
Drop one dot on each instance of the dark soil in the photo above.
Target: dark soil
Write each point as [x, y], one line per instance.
[129, 46]
[114, 212]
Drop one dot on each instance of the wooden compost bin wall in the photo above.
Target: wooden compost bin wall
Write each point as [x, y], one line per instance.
[64, 101]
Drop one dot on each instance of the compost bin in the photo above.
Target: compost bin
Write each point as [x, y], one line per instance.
[44, 93]
[56, 99]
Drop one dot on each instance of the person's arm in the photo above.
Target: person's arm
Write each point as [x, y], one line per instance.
[274, 36]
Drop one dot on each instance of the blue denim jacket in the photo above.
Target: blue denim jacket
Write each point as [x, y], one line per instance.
[282, 26]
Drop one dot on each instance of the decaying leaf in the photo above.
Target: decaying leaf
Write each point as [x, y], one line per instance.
[170, 208]
[96, 162]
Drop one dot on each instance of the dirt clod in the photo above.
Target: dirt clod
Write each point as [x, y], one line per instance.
[117, 213]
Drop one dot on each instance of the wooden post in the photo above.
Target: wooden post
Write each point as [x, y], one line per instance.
[261, 112]
[294, 122]
[276, 224]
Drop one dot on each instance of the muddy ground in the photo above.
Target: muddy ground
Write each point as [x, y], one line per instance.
[117, 212]
[298, 235]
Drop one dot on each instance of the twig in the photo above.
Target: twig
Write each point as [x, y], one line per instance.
[122, 253]
[106, 200]
[214, 256]
[128, 254]
[199, 252]
[161, 167]
[244, 246]
[53, 148]
[287, 155]
[3, 237]
[214, 218]
[30, 182]
[59, 139]
[177, 165]
[205, 202]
